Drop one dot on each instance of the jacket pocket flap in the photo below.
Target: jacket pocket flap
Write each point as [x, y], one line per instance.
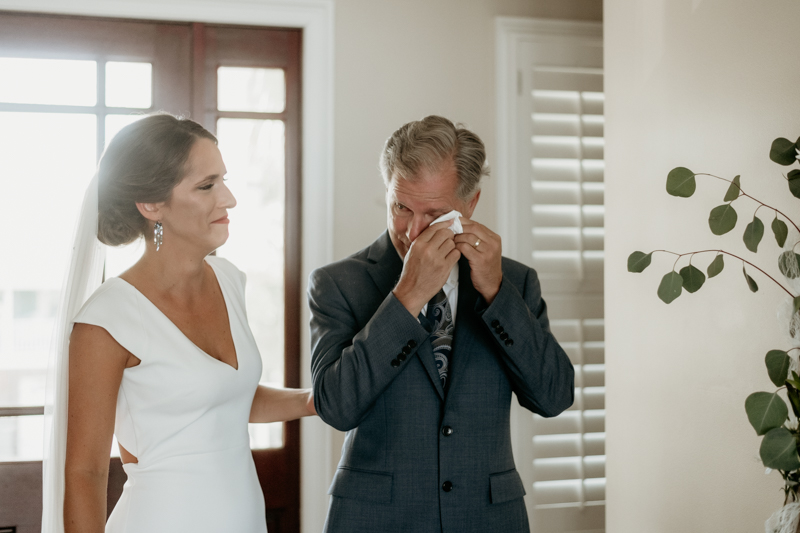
[506, 486]
[362, 485]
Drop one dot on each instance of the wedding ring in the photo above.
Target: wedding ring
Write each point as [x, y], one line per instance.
[477, 243]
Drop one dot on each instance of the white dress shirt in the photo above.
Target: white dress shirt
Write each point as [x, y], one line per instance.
[451, 291]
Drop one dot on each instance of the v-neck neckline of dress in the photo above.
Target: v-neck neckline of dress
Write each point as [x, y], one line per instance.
[168, 319]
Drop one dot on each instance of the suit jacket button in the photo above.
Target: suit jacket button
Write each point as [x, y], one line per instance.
[395, 363]
[447, 431]
[401, 357]
[503, 336]
[406, 350]
[499, 330]
[509, 342]
[412, 344]
[495, 323]
[447, 486]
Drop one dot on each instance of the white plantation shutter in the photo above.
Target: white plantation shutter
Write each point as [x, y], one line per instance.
[554, 215]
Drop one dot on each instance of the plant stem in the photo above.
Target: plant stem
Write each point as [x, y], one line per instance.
[754, 199]
[732, 255]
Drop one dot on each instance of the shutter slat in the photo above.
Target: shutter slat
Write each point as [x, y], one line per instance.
[591, 421]
[566, 192]
[558, 468]
[566, 244]
[563, 169]
[560, 238]
[568, 491]
[568, 445]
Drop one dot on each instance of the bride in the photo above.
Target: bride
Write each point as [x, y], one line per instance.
[161, 356]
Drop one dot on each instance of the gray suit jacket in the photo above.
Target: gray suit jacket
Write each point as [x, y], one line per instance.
[415, 459]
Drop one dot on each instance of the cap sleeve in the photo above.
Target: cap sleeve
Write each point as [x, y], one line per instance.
[115, 307]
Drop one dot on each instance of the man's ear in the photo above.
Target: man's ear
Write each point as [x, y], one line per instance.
[151, 212]
[471, 204]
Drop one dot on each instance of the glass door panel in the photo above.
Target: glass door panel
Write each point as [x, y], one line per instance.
[261, 90]
[253, 151]
[129, 84]
[48, 81]
[49, 159]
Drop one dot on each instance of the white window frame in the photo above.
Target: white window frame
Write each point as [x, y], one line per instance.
[510, 33]
[316, 18]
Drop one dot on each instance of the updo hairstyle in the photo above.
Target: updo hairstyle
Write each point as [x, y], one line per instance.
[142, 163]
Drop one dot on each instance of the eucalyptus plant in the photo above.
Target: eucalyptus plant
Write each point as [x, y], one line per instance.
[767, 411]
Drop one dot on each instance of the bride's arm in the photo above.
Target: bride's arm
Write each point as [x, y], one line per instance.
[96, 363]
[276, 404]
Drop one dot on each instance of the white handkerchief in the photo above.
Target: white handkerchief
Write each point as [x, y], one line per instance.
[455, 216]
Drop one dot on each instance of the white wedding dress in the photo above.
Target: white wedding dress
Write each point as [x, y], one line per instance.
[184, 415]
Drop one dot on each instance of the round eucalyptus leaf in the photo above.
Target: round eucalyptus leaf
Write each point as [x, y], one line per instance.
[794, 182]
[716, 266]
[750, 281]
[722, 219]
[778, 363]
[765, 411]
[753, 234]
[681, 182]
[789, 264]
[782, 151]
[734, 190]
[780, 230]
[779, 450]
[693, 278]
[638, 261]
[670, 287]
[794, 398]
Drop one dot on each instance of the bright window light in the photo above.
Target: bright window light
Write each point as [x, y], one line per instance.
[129, 84]
[48, 81]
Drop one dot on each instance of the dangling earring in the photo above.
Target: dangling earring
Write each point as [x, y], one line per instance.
[158, 235]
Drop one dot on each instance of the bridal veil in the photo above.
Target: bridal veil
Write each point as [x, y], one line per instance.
[84, 275]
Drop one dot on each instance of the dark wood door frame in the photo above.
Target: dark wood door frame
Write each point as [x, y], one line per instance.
[223, 45]
[188, 63]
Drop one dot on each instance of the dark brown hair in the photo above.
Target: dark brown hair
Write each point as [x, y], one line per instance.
[143, 163]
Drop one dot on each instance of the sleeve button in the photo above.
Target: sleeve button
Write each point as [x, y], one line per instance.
[499, 330]
[396, 363]
[495, 323]
[509, 342]
[406, 350]
[504, 336]
[401, 357]
[412, 344]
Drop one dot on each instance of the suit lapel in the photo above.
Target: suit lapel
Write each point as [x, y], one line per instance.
[466, 326]
[386, 264]
[385, 270]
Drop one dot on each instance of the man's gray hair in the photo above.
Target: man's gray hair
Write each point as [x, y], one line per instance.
[434, 143]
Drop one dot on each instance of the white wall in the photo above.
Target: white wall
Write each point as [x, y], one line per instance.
[706, 84]
[401, 60]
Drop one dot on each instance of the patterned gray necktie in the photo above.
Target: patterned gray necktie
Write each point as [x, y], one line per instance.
[442, 337]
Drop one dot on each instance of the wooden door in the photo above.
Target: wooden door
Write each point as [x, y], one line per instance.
[183, 81]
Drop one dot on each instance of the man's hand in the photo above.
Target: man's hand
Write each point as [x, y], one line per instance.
[427, 266]
[485, 259]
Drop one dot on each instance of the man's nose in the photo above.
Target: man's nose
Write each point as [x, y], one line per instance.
[418, 225]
